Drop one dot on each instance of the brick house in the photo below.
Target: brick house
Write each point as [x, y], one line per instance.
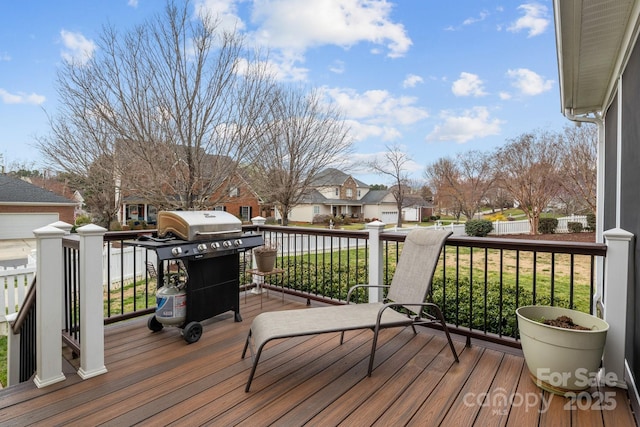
[234, 195]
[25, 207]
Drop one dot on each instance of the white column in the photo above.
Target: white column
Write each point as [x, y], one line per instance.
[258, 220]
[91, 302]
[616, 282]
[375, 260]
[49, 291]
[64, 226]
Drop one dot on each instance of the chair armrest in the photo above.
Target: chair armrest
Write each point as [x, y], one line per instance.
[404, 304]
[353, 288]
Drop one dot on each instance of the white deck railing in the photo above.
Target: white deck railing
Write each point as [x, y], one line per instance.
[14, 282]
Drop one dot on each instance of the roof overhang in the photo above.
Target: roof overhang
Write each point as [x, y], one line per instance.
[593, 42]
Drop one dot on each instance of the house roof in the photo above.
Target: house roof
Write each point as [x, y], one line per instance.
[332, 177]
[18, 191]
[593, 40]
[374, 196]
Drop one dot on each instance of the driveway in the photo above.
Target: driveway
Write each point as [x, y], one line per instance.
[13, 252]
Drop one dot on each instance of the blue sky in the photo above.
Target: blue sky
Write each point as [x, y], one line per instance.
[435, 78]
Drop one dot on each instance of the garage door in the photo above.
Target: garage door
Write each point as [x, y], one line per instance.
[390, 217]
[21, 226]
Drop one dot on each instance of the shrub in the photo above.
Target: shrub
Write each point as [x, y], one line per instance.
[83, 220]
[270, 220]
[574, 227]
[490, 308]
[478, 227]
[321, 219]
[547, 225]
[591, 222]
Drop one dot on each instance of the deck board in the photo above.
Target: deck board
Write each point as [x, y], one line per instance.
[156, 379]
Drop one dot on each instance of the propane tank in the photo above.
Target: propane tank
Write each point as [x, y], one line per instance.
[171, 305]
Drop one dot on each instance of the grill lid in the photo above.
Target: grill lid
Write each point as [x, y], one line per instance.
[198, 225]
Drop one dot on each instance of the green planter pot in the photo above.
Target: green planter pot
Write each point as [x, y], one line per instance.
[561, 360]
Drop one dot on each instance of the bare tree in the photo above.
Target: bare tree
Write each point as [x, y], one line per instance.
[176, 103]
[579, 167]
[393, 165]
[529, 170]
[464, 182]
[304, 136]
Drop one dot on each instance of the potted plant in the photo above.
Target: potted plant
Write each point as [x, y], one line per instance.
[561, 358]
[265, 256]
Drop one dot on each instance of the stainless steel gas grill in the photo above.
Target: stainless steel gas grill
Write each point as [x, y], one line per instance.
[198, 260]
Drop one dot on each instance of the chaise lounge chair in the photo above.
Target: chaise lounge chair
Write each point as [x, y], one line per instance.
[408, 291]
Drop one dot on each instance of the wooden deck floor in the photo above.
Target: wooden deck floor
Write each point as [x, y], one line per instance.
[156, 379]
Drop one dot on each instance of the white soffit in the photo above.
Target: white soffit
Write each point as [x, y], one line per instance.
[592, 40]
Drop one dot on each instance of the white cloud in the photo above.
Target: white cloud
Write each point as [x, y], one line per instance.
[132, 3]
[376, 113]
[504, 96]
[535, 19]
[468, 85]
[77, 48]
[225, 12]
[529, 82]
[361, 131]
[281, 70]
[471, 124]
[297, 25]
[377, 106]
[337, 67]
[412, 80]
[5, 57]
[481, 17]
[21, 98]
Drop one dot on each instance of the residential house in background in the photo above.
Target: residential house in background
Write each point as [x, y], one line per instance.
[333, 193]
[237, 197]
[336, 193]
[234, 195]
[25, 207]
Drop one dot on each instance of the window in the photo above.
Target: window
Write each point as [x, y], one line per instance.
[245, 213]
[234, 192]
[359, 193]
[316, 210]
[349, 192]
[337, 191]
[152, 214]
[135, 212]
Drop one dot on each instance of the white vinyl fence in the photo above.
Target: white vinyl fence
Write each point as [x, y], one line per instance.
[14, 282]
[124, 262]
[507, 227]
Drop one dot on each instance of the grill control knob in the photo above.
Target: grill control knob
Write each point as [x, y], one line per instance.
[237, 242]
[226, 244]
[215, 245]
[176, 251]
[202, 247]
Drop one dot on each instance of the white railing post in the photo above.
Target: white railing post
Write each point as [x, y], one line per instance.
[616, 304]
[13, 352]
[375, 260]
[49, 290]
[91, 302]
